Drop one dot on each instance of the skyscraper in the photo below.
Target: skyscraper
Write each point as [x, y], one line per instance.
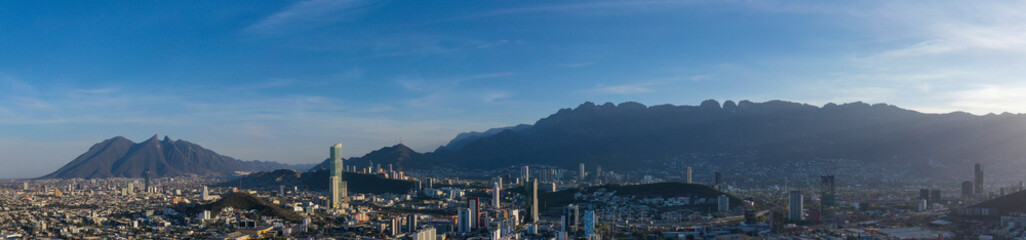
[827, 190]
[534, 201]
[336, 184]
[336, 159]
[463, 220]
[589, 223]
[723, 204]
[495, 195]
[581, 172]
[598, 171]
[718, 179]
[687, 175]
[474, 204]
[344, 189]
[146, 175]
[794, 206]
[572, 217]
[967, 190]
[336, 197]
[206, 193]
[978, 187]
[526, 173]
[411, 222]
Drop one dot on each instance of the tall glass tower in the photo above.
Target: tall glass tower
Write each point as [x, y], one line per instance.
[338, 187]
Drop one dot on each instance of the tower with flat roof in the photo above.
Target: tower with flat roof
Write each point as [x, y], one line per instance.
[978, 183]
[534, 200]
[581, 172]
[687, 175]
[338, 187]
[794, 206]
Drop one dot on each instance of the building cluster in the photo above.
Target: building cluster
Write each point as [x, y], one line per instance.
[530, 202]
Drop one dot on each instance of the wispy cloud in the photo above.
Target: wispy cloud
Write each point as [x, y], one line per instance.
[589, 7]
[423, 45]
[492, 97]
[14, 85]
[310, 14]
[577, 65]
[624, 89]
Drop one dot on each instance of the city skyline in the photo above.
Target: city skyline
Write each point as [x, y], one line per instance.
[267, 81]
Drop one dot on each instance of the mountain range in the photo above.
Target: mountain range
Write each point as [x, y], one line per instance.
[629, 135]
[120, 157]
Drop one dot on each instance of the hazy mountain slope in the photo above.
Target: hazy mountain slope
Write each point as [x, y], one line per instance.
[617, 136]
[463, 139]
[120, 157]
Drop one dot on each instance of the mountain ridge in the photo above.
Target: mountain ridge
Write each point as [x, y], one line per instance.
[120, 157]
[618, 136]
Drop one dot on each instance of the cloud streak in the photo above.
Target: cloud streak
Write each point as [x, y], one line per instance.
[310, 14]
[623, 89]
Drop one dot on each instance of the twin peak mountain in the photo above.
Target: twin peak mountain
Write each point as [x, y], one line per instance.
[628, 135]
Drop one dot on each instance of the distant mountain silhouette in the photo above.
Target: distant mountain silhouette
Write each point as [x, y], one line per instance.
[399, 155]
[120, 157]
[618, 136]
[468, 137]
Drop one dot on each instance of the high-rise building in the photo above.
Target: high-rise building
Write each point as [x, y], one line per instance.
[205, 194]
[335, 153]
[281, 190]
[967, 190]
[130, 190]
[146, 176]
[411, 223]
[336, 184]
[495, 196]
[589, 223]
[580, 171]
[828, 198]
[924, 194]
[344, 189]
[534, 201]
[572, 216]
[426, 234]
[978, 183]
[794, 206]
[598, 171]
[526, 173]
[687, 175]
[723, 204]
[474, 204]
[463, 220]
[394, 226]
[24, 186]
[935, 196]
[718, 178]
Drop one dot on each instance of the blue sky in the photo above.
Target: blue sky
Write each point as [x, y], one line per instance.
[283, 80]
